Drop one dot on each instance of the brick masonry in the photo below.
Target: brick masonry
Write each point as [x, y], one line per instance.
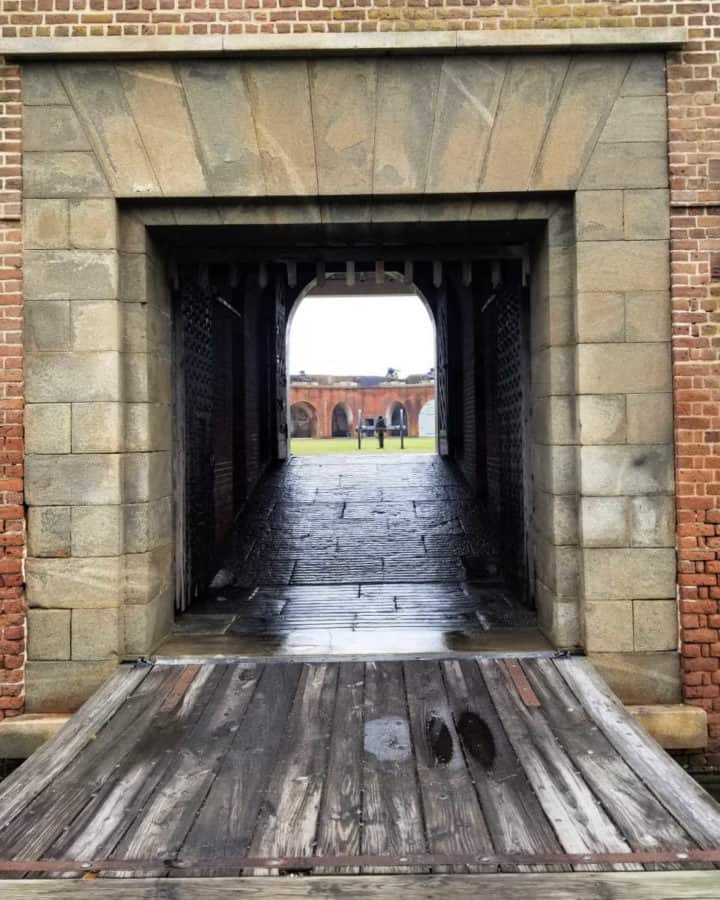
[12, 522]
[373, 401]
[694, 138]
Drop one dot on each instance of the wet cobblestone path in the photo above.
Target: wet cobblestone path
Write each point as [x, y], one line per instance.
[351, 553]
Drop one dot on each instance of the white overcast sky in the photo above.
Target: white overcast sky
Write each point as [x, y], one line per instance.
[361, 336]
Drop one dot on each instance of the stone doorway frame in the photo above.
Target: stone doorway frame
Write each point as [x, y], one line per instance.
[98, 474]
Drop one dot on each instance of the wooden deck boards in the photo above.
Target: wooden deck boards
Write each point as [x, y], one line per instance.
[367, 769]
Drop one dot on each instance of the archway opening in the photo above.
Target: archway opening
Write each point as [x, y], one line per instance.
[364, 357]
[303, 420]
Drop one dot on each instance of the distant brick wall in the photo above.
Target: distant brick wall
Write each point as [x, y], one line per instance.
[373, 402]
[12, 527]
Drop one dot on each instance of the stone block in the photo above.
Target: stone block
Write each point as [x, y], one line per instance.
[646, 77]
[656, 625]
[652, 521]
[48, 634]
[627, 165]
[601, 418]
[22, 735]
[73, 480]
[554, 420]
[646, 215]
[604, 522]
[148, 525]
[45, 224]
[558, 568]
[674, 726]
[148, 574]
[97, 427]
[623, 368]
[467, 101]
[556, 517]
[629, 574]
[147, 377]
[156, 101]
[47, 428]
[93, 224]
[148, 426]
[63, 686]
[71, 275]
[98, 95]
[626, 470]
[558, 620]
[641, 677]
[600, 318]
[95, 325]
[97, 530]
[96, 633]
[553, 371]
[647, 316]
[47, 325]
[144, 328]
[636, 119]
[95, 583]
[526, 107]
[599, 215]
[609, 626]
[650, 418]
[147, 476]
[76, 174]
[146, 624]
[57, 127]
[82, 377]
[555, 468]
[135, 277]
[49, 531]
[623, 266]
[41, 86]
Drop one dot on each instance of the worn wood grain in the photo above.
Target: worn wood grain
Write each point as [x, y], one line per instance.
[567, 886]
[514, 816]
[681, 795]
[340, 820]
[392, 810]
[646, 824]
[454, 821]
[580, 823]
[287, 824]
[35, 774]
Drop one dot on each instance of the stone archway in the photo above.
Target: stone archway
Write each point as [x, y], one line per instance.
[341, 421]
[575, 143]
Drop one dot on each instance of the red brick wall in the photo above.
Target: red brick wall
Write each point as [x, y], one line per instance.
[12, 523]
[372, 401]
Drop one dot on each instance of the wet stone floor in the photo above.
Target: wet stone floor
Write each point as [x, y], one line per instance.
[352, 555]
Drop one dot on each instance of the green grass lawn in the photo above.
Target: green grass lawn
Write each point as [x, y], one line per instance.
[319, 446]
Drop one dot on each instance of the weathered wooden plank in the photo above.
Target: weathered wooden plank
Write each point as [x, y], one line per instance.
[515, 819]
[340, 821]
[121, 796]
[643, 821]
[288, 820]
[681, 795]
[41, 822]
[18, 789]
[166, 817]
[392, 810]
[454, 821]
[565, 886]
[237, 793]
[581, 825]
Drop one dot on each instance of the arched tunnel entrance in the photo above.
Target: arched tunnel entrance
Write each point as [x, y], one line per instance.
[259, 532]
